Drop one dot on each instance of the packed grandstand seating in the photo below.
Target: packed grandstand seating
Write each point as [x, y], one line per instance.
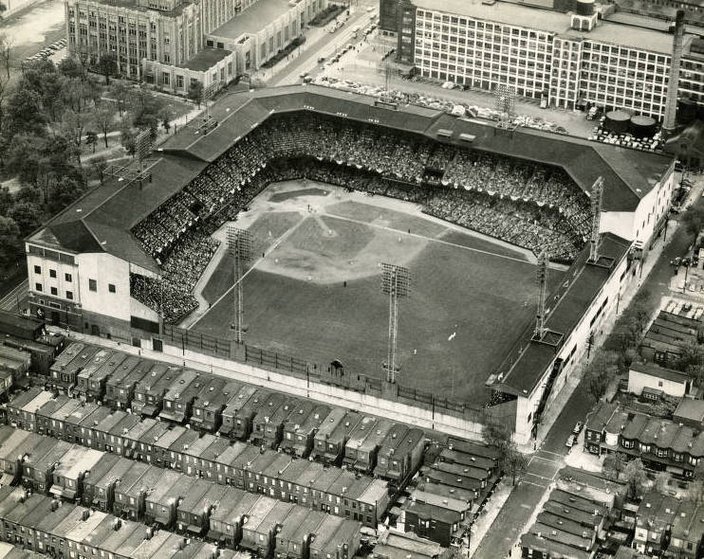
[534, 206]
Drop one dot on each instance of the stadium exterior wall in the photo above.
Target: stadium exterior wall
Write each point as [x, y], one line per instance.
[573, 351]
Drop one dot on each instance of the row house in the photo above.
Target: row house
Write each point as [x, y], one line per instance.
[177, 402]
[163, 498]
[660, 443]
[119, 388]
[208, 406]
[300, 427]
[149, 392]
[267, 424]
[194, 510]
[293, 540]
[67, 479]
[64, 372]
[326, 429]
[101, 357]
[38, 469]
[401, 453]
[99, 487]
[362, 448]
[226, 521]
[64, 530]
[332, 448]
[258, 470]
[21, 410]
[131, 492]
[687, 532]
[654, 519]
[234, 424]
[92, 382]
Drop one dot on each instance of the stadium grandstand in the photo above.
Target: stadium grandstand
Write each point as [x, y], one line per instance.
[123, 260]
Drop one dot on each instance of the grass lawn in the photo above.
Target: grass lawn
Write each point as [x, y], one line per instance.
[480, 297]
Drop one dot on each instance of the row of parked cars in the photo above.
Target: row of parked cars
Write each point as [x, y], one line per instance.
[46, 52]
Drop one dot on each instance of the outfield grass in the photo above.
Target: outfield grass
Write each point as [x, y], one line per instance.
[481, 297]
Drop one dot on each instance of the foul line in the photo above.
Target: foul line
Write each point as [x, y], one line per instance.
[272, 247]
[431, 239]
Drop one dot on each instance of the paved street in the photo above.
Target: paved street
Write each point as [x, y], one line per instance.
[517, 512]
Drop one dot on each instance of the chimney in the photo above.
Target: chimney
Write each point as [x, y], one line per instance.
[669, 120]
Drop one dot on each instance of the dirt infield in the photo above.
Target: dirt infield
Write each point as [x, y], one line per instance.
[316, 293]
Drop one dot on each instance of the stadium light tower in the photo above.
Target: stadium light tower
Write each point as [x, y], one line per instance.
[542, 280]
[597, 195]
[396, 283]
[143, 144]
[240, 244]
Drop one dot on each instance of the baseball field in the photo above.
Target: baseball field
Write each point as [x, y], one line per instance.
[312, 289]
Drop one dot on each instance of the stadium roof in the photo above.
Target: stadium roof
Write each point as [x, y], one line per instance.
[526, 364]
[101, 221]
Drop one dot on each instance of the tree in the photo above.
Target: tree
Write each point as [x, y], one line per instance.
[515, 463]
[105, 120]
[63, 193]
[27, 216]
[107, 66]
[693, 220]
[635, 478]
[72, 126]
[496, 434]
[121, 93]
[195, 92]
[91, 139]
[99, 165]
[127, 138]
[9, 242]
[613, 465]
[23, 113]
[72, 68]
[5, 55]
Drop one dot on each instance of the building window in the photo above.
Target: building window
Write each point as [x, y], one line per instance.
[68, 277]
[92, 285]
[37, 269]
[69, 295]
[38, 286]
[52, 273]
[54, 291]
[111, 288]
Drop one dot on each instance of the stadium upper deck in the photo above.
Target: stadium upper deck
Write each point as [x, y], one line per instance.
[101, 221]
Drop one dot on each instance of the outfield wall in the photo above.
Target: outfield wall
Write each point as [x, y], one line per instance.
[384, 402]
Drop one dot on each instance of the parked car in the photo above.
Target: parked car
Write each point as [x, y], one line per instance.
[570, 441]
[577, 428]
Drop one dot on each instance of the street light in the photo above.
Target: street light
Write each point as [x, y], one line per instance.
[686, 264]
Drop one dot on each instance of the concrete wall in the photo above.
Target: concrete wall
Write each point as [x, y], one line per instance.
[423, 417]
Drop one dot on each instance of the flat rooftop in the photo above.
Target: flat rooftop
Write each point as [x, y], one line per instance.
[253, 19]
[205, 59]
[559, 23]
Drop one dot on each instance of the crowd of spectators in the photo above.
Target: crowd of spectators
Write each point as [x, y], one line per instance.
[531, 205]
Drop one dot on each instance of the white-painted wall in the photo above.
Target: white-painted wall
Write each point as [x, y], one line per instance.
[638, 380]
[105, 269]
[61, 283]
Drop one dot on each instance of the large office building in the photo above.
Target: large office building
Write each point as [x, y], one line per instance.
[589, 54]
[170, 43]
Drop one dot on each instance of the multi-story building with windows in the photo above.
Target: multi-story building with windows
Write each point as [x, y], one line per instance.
[567, 59]
[169, 43]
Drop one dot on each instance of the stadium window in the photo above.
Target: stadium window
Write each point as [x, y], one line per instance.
[68, 277]
[54, 291]
[37, 269]
[111, 288]
[52, 273]
[37, 286]
[92, 285]
[69, 295]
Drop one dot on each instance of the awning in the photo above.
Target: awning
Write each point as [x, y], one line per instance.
[195, 529]
[467, 137]
[445, 133]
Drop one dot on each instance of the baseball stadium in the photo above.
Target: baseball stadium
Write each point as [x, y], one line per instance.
[383, 254]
